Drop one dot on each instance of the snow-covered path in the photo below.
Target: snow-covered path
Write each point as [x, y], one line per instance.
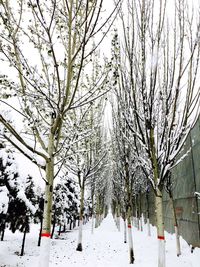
[104, 248]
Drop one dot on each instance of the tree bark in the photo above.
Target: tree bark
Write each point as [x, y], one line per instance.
[70, 224]
[23, 242]
[53, 228]
[176, 228]
[3, 231]
[140, 213]
[39, 239]
[160, 229]
[148, 215]
[59, 231]
[130, 238]
[125, 232]
[46, 227]
[80, 231]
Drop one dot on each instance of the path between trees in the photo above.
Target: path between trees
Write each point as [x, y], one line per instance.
[104, 248]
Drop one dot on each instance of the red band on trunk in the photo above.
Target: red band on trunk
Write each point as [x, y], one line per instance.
[45, 234]
[161, 237]
[129, 225]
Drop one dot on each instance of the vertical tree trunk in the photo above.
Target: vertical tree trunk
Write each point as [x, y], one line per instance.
[125, 232]
[3, 231]
[74, 222]
[92, 227]
[158, 203]
[59, 230]
[140, 212]
[130, 238]
[23, 242]
[137, 213]
[39, 239]
[97, 217]
[46, 227]
[118, 217]
[80, 231]
[148, 215]
[53, 228]
[160, 229]
[178, 246]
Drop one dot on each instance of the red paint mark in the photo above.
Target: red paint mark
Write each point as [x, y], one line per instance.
[161, 237]
[129, 225]
[45, 234]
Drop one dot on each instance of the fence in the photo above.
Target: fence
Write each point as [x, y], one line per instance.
[186, 181]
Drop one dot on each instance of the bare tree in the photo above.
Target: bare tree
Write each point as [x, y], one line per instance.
[44, 46]
[159, 69]
[85, 162]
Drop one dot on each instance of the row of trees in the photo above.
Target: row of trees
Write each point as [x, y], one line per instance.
[58, 97]
[52, 77]
[156, 103]
[22, 203]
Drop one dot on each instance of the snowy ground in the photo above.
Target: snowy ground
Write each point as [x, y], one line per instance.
[105, 248]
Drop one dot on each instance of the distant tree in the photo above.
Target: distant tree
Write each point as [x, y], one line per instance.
[65, 204]
[84, 162]
[19, 215]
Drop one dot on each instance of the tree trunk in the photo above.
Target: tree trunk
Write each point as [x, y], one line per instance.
[46, 227]
[80, 231]
[92, 229]
[70, 224]
[118, 217]
[158, 203]
[97, 217]
[39, 239]
[80, 235]
[140, 213]
[53, 228]
[3, 231]
[74, 222]
[160, 229]
[59, 230]
[178, 246]
[148, 213]
[23, 242]
[137, 213]
[130, 238]
[125, 232]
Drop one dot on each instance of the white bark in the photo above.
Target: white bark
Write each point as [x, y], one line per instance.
[118, 223]
[92, 229]
[138, 223]
[148, 227]
[130, 242]
[80, 235]
[125, 232]
[160, 230]
[44, 252]
[97, 221]
[178, 246]
[141, 225]
[161, 253]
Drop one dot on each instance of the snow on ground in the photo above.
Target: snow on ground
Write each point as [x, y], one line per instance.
[105, 248]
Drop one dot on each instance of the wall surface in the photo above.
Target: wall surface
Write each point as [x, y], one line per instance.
[186, 181]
